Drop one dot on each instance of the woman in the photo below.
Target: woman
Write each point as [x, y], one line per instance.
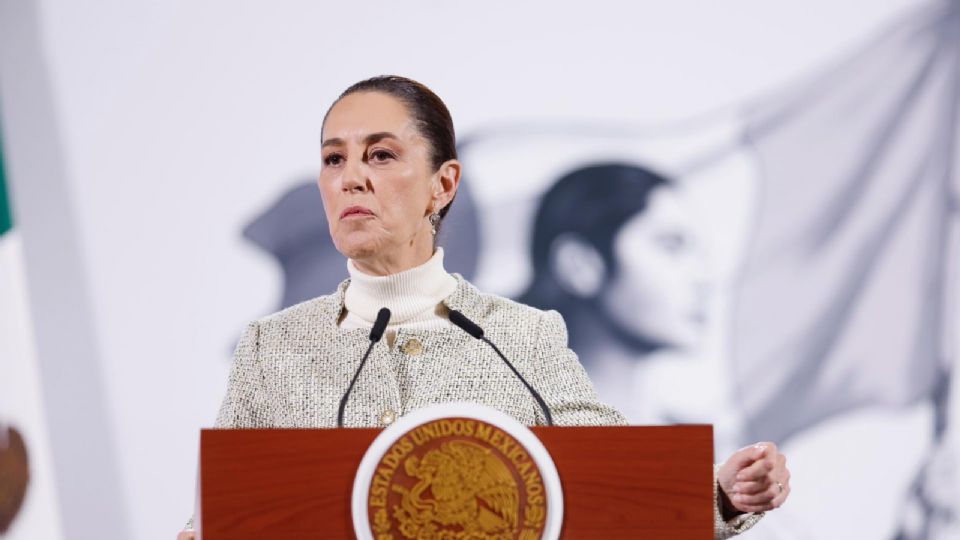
[389, 175]
[614, 252]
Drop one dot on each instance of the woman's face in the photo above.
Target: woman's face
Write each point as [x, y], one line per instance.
[377, 183]
[659, 291]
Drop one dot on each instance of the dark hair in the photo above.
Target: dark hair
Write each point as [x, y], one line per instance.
[593, 202]
[428, 111]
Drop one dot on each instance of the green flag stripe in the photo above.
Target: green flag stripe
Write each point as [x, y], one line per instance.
[6, 217]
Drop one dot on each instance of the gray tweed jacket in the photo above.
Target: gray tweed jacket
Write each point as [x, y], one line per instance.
[291, 369]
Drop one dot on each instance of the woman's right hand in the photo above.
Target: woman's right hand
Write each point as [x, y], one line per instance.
[187, 534]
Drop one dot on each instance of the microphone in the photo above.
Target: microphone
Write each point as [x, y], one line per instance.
[380, 325]
[474, 330]
[376, 333]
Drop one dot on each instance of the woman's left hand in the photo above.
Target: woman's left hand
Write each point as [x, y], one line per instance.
[755, 478]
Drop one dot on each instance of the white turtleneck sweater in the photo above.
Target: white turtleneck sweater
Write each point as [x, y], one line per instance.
[413, 297]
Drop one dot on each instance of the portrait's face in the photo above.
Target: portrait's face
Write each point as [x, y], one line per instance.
[660, 288]
[376, 181]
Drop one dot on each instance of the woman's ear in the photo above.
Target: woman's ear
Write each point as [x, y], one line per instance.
[446, 182]
[577, 266]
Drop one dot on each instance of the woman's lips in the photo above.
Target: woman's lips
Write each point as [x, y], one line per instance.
[355, 212]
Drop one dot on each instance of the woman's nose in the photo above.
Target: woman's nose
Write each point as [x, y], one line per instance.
[354, 178]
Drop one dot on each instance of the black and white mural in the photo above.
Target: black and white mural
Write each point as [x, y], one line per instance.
[805, 236]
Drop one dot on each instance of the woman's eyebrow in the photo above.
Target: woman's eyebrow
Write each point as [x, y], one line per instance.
[379, 136]
[369, 139]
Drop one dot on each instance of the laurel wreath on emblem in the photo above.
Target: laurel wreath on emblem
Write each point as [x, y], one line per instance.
[381, 525]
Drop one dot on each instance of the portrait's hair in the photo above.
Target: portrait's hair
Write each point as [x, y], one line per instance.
[428, 111]
[594, 203]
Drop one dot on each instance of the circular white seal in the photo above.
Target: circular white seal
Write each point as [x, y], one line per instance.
[443, 451]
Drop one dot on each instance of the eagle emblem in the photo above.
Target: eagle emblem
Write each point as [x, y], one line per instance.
[463, 492]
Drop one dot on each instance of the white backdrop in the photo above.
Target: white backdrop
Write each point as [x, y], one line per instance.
[179, 121]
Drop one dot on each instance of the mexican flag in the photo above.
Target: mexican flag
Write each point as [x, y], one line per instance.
[28, 502]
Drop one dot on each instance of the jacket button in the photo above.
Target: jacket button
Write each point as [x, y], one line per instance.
[412, 347]
[387, 417]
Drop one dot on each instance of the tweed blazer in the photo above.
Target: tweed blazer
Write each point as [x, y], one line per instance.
[291, 369]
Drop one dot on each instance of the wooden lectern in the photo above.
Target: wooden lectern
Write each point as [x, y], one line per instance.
[618, 482]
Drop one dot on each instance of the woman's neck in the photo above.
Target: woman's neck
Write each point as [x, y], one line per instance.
[591, 328]
[609, 360]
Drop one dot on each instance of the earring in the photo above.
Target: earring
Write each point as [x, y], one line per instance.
[434, 221]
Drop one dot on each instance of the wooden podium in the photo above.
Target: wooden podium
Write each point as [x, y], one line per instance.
[618, 482]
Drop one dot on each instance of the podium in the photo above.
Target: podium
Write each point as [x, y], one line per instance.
[618, 482]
